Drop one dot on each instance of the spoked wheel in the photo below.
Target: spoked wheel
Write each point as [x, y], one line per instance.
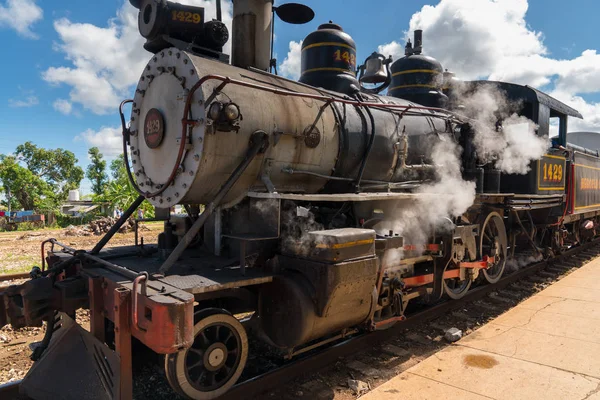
[455, 288]
[215, 361]
[493, 243]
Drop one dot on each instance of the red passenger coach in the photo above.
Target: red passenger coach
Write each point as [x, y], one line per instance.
[586, 175]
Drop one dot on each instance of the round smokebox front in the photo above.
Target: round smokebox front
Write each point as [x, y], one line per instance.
[156, 128]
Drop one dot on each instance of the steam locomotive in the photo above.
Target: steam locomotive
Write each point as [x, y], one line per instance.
[317, 209]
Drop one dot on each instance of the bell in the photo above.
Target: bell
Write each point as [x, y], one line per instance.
[374, 70]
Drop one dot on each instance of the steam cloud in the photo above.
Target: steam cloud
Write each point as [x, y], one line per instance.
[514, 264]
[449, 196]
[512, 148]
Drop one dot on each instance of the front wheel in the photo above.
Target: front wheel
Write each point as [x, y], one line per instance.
[215, 361]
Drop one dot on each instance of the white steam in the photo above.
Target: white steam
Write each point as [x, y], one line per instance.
[521, 146]
[512, 145]
[515, 264]
[448, 197]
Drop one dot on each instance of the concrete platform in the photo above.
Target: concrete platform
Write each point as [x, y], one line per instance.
[547, 347]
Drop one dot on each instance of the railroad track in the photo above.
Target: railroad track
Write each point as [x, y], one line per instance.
[544, 271]
[11, 277]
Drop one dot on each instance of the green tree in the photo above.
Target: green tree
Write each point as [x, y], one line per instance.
[27, 190]
[119, 191]
[117, 168]
[96, 171]
[37, 178]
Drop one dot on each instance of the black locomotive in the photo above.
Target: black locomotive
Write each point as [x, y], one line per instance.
[315, 209]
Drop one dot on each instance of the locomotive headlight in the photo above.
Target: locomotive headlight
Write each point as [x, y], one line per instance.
[215, 110]
[232, 112]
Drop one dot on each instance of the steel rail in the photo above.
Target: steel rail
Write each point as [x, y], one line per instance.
[10, 277]
[313, 363]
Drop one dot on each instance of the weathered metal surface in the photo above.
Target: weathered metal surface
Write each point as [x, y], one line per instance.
[74, 366]
[341, 197]
[258, 142]
[212, 153]
[340, 296]
[122, 321]
[10, 390]
[251, 26]
[333, 246]
[165, 313]
[97, 325]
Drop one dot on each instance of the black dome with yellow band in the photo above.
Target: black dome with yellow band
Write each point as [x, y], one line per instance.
[418, 78]
[329, 59]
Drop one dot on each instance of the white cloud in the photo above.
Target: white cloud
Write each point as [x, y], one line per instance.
[290, 67]
[104, 62]
[489, 39]
[63, 106]
[394, 49]
[473, 36]
[108, 140]
[20, 15]
[589, 110]
[29, 101]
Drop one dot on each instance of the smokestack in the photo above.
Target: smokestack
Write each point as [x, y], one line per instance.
[251, 41]
[418, 42]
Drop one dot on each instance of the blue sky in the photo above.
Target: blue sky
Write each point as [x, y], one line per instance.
[27, 101]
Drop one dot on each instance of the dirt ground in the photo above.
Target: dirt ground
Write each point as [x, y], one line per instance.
[19, 251]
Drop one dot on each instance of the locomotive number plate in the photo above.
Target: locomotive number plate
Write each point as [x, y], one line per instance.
[551, 173]
[186, 16]
[154, 128]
